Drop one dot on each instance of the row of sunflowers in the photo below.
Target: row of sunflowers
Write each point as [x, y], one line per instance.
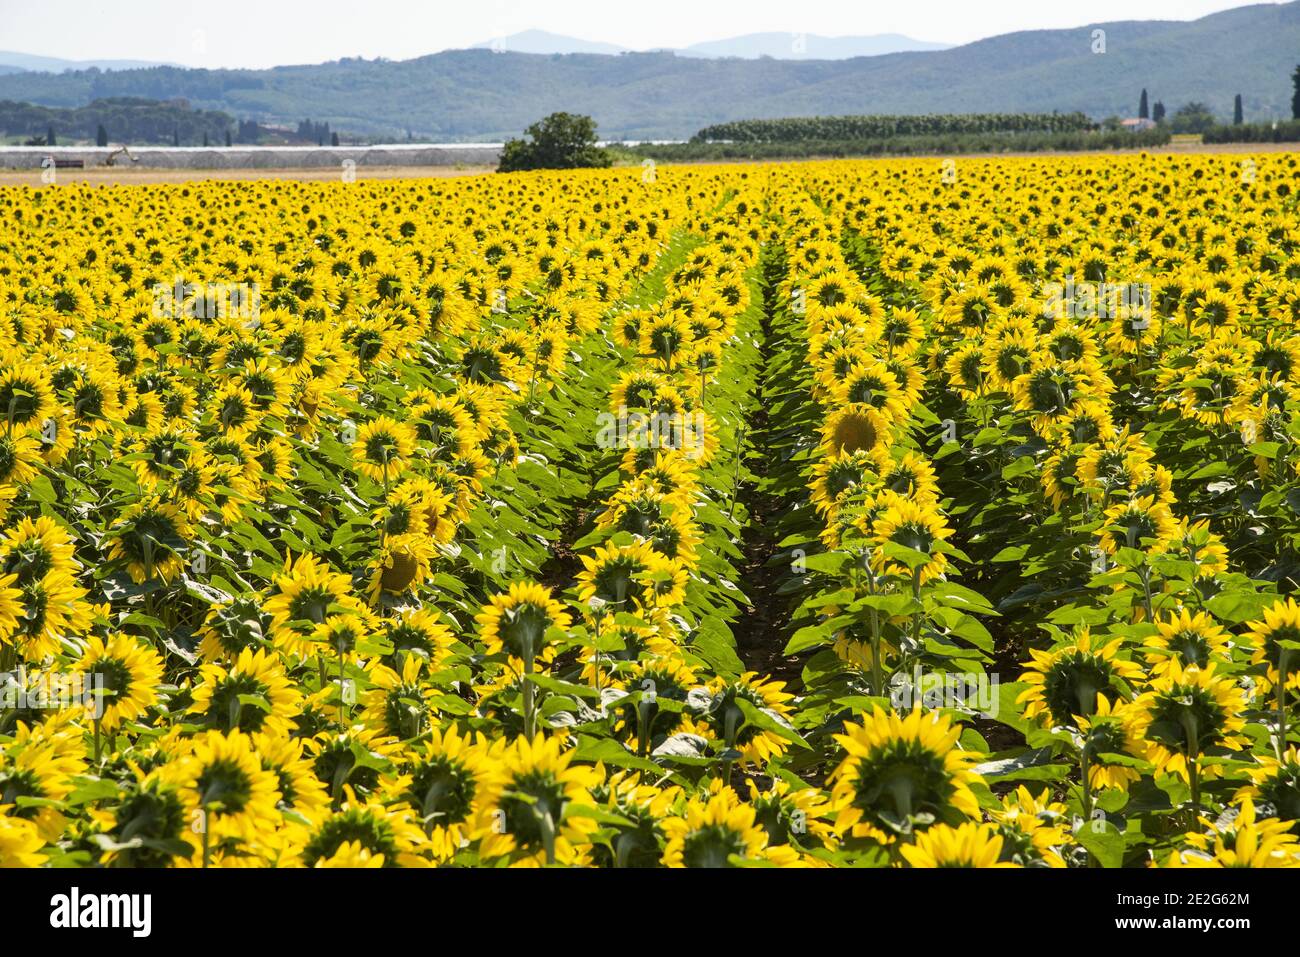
[838, 514]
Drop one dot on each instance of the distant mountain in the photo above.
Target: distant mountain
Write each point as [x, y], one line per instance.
[751, 46]
[50, 64]
[809, 46]
[539, 41]
[471, 95]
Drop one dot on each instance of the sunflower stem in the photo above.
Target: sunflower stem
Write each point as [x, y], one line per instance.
[529, 690]
[916, 615]
[1279, 744]
[1085, 773]
[735, 478]
[207, 843]
[877, 665]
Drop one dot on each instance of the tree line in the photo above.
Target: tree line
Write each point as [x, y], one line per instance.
[828, 129]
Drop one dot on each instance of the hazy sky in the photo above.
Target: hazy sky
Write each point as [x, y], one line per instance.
[260, 33]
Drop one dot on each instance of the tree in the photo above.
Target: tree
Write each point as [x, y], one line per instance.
[101, 136]
[205, 138]
[1158, 112]
[1192, 118]
[561, 141]
[176, 136]
[1143, 112]
[334, 139]
[49, 138]
[228, 137]
[1295, 97]
[1238, 116]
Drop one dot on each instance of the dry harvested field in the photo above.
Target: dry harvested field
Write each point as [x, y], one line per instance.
[125, 175]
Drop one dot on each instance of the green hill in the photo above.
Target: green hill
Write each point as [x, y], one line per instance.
[482, 95]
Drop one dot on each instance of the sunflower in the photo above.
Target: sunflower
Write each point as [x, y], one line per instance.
[1137, 524]
[836, 477]
[124, 674]
[1051, 389]
[852, 428]
[444, 780]
[901, 774]
[634, 840]
[383, 449]
[1281, 622]
[1191, 640]
[26, 398]
[527, 818]
[1245, 842]
[43, 764]
[20, 843]
[426, 506]
[966, 845]
[419, 632]
[914, 524]
[399, 704]
[401, 565]
[351, 855]
[870, 383]
[517, 623]
[798, 817]
[442, 421]
[728, 722]
[1196, 544]
[1276, 782]
[1033, 828]
[1066, 682]
[253, 695]
[302, 794]
[719, 830]
[387, 833]
[1116, 754]
[965, 370]
[151, 537]
[306, 593]
[231, 627]
[637, 573]
[20, 455]
[36, 548]
[228, 796]
[149, 824]
[1186, 713]
[46, 611]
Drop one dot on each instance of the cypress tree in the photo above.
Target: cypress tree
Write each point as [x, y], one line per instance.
[1143, 112]
[1237, 116]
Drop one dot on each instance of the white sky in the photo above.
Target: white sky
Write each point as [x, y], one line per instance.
[262, 33]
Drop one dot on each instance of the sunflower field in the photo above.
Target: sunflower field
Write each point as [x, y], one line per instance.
[847, 514]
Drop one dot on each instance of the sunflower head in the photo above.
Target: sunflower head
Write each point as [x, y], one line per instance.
[517, 623]
[901, 774]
